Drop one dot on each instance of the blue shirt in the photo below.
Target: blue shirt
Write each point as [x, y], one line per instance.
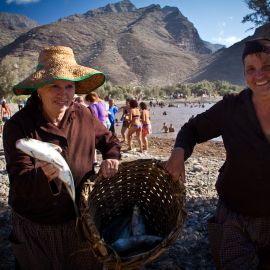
[112, 111]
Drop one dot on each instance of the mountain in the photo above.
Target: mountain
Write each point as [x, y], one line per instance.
[226, 64]
[145, 46]
[123, 6]
[150, 45]
[213, 47]
[12, 26]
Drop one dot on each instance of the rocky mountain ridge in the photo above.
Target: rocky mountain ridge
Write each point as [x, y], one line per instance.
[145, 46]
[12, 26]
[226, 64]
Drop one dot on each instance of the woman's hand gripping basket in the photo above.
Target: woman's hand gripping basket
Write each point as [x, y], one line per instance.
[132, 217]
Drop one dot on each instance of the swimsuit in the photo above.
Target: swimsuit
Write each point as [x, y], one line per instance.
[137, 126]
[146, 129]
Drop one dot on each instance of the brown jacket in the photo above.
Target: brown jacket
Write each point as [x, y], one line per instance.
[78, 136]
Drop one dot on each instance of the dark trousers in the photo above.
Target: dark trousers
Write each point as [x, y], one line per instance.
[112, 129]
[49, 247]
[239, 242]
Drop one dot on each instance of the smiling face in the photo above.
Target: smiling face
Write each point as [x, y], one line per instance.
[257, 73]
[56, 97]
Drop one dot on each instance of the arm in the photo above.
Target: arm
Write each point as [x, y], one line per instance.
[203, 127]
[130, 115]
[144, 115]
[28, 182]
[123, 113]
[175, 164]
[9, 112]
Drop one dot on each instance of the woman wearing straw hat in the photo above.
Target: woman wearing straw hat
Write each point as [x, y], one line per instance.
[43, 218]
[239, 233]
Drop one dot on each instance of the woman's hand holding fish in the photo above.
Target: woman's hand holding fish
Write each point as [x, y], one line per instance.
[109, 167]
[49, 170]
[175, 164]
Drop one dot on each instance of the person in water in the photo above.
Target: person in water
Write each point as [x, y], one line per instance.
[165, 128]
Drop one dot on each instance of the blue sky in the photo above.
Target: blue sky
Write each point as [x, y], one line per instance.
[217, 21]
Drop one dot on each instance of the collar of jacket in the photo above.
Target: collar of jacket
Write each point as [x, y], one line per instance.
[47, 126]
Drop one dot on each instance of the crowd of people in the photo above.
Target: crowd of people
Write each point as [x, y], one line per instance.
[43, 218]
[135, 118]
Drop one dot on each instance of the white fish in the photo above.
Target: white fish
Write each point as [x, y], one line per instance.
[47, 152]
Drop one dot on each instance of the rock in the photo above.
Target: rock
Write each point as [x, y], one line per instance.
[197, 168]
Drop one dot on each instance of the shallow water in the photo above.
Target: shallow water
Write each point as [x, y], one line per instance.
[177, 116]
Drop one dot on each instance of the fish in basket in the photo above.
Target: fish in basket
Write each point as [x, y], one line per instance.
[131, 218]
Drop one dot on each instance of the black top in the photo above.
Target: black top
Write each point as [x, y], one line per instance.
[244, 179]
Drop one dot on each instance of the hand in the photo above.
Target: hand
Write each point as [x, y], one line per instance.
[49, 170]
[176, 164]
[109, 167]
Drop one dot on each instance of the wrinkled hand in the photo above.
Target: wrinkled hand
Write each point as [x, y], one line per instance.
[49, 169]
[176, 165]
[109, 167]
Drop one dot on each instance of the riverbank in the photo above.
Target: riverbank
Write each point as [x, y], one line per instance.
[191, 250]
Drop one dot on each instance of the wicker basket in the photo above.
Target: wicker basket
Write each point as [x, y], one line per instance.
[147, 184]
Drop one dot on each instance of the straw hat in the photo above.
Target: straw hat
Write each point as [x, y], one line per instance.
[58, 63]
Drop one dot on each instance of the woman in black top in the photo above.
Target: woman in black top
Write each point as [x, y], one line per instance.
[240, 229]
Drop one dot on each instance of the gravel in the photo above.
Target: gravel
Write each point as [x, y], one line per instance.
[191, 250]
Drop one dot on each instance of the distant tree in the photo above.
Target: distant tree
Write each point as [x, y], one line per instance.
[202, 88]
[12, 70]
[261, 14]
[183, 89]
[7, 80]
[167, 90]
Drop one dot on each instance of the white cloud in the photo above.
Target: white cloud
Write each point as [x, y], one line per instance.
[221, 24]
[227, 41]
[21, 2]
[221, 33]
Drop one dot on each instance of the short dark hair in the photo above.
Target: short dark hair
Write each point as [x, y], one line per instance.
[133, 103]
[143, 106]
[257, 45]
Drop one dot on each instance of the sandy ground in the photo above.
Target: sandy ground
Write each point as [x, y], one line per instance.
[161, 147]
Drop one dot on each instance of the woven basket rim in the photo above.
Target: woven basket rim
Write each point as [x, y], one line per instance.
[144, 257]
